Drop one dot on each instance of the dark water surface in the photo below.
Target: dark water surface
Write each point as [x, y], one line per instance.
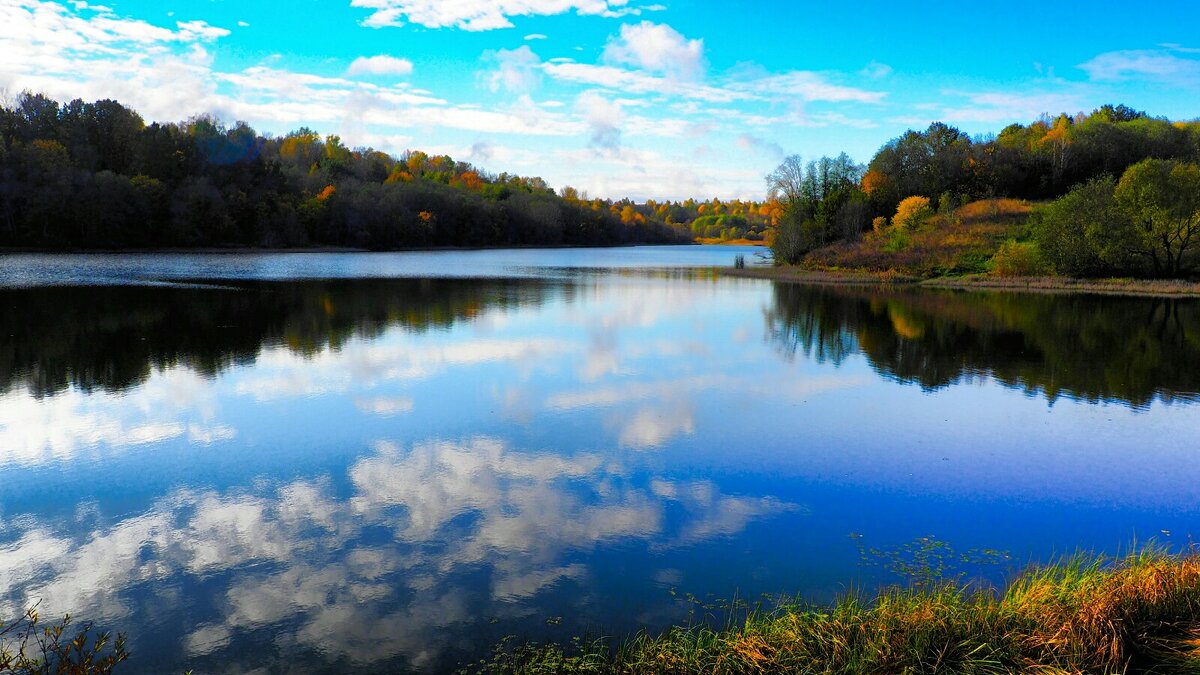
[374, 463]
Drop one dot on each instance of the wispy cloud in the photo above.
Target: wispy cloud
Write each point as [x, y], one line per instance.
[806, 86]
[1171, 65]
[995, 107]
[876, 70]
[756, 144]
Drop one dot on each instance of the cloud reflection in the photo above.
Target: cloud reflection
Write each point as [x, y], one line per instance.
[309, 563]
[173, 404]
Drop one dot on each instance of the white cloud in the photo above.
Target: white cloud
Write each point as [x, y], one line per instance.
[380, 65]
[517, 70]
[199, 30]
[604, 118]
[657, 48]
[479, 15]
[536, 36]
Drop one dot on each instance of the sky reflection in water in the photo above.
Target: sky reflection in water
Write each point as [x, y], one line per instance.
[398, 472]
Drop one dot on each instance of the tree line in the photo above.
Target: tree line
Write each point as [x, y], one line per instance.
[1126, 188]
[94, 175]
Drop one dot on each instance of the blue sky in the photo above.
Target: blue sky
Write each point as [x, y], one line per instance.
[662, 99]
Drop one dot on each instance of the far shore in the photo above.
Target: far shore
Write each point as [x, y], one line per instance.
[1140, 287]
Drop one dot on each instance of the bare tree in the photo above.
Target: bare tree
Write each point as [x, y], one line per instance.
[786, 183]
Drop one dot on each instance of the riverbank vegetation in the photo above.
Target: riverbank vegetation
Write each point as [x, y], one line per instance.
[1110, 193]
[96, 176]
[30, 646]
[1139, 614]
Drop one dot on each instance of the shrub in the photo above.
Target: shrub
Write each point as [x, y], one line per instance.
[912, 212]
[1016, 259]
[879, 224]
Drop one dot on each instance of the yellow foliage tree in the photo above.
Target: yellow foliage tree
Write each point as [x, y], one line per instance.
[912, 212]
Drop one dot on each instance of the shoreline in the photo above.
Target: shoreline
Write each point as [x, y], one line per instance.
[1163, 288]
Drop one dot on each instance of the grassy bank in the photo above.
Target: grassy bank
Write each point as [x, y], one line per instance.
[1125, 286]
[1167, 288]
[1140, 614]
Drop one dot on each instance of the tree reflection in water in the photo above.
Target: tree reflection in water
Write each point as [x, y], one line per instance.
[110, 338]
[1086, 347]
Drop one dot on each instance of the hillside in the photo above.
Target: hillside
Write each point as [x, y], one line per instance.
[961, 242]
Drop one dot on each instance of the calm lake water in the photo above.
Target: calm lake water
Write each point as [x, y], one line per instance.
[378, 463]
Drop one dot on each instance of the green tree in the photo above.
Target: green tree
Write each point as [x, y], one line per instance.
[1085, 234]
[1162, 200]
[924, 163]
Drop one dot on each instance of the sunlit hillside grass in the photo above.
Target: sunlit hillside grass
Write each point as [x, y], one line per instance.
[963, 242]
[1140, 614]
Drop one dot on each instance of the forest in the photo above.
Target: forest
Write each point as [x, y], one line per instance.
[1112, 192]
[96, 176]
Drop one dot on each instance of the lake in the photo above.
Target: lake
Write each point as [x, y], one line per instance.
[389, 462]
